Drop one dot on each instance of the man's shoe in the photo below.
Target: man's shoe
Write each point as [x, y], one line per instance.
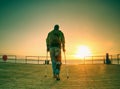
[57, 77]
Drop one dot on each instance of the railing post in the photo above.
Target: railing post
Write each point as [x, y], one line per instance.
[38, 59]
[26, 59]
[15, 58]
[118, 58]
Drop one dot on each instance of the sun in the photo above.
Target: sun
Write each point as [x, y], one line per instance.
[82, 51]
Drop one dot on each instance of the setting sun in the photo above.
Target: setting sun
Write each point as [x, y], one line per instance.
[82, 51]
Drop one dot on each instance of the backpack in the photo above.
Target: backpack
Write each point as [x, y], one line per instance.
[54, 38]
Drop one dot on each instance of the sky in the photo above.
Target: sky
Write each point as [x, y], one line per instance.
[24, 25]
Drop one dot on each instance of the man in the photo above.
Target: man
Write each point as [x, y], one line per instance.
[55, 41]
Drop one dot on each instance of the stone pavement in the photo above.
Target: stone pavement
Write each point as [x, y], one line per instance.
[30, 76]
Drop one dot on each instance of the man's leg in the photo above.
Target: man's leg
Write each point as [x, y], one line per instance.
[58, 67]
[58, 62]
[52, 55]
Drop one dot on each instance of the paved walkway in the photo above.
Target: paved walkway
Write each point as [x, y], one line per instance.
[91, 77]
[80, 77]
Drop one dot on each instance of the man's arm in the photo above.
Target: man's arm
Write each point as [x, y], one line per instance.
[63, 41]
[47, 43]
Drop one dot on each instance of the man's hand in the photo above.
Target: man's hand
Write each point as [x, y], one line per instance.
[48, 49]
[64, 50]
[63, 45]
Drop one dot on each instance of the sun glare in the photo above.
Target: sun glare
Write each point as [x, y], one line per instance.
[82, 51]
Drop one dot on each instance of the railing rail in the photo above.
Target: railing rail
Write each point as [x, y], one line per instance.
[100, 59]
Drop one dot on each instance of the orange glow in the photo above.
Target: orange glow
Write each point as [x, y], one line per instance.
[82, 51]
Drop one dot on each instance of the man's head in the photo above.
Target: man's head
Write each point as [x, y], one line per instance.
[56, 27]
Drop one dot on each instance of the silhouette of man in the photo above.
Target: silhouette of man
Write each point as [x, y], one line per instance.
[54, 42]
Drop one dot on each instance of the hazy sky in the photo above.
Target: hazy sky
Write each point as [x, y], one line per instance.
[24, 25]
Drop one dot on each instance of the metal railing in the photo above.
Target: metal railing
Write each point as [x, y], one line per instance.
[115, 59]
[26, 59]
[36, 59]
